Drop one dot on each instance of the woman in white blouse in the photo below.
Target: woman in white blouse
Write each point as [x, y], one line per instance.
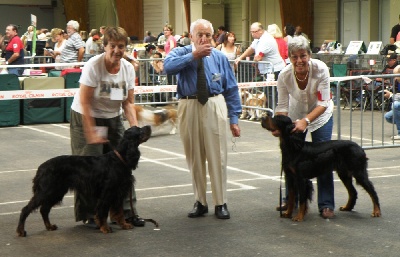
[304, 96]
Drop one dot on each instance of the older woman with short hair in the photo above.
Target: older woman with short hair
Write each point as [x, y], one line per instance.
[304, 96]
[106, 87]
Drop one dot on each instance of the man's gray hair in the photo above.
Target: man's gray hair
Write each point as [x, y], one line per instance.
[203, 22]
[299, 43]
[74, 24]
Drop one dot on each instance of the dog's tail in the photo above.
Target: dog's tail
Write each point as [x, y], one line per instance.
[309, 190]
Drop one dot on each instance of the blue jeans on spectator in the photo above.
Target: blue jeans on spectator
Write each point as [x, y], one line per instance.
[393, 116]
[16, 71]
[326, 198]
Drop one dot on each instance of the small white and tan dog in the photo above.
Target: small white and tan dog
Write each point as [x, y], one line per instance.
[162, 121]
[252, 100]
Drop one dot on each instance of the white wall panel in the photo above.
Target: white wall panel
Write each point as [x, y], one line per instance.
[154, 16]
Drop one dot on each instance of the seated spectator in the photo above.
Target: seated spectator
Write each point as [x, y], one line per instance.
[156, 69]
[160, 49]
[393, 116]
[157, 66]
[388, 69]
[150, 49]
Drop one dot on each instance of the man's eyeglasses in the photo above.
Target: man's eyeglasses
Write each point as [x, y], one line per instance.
[252, 32]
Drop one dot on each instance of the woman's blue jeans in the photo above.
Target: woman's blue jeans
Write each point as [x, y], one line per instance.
[326, 197]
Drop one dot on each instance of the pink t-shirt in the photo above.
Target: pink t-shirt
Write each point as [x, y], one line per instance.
[167, 46]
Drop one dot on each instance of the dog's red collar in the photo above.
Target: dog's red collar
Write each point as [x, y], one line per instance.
[120, 157]
[117, 154]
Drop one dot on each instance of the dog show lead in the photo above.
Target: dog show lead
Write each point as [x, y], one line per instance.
[304, 95]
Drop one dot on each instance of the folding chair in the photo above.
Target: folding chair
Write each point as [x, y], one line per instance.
[354, 93]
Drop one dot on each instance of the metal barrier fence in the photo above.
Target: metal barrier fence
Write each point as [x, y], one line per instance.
[257, 94]
[361, 106]
[360, 102]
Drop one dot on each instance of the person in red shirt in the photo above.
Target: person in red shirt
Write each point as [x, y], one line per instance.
[276, 32]
[14, 50]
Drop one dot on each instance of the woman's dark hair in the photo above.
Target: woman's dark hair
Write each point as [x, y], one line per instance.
[159, 55]
[150, 47]
[290, 29]
[115, 34]
[229, 34]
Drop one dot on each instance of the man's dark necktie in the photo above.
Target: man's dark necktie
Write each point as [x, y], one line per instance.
[202, 91]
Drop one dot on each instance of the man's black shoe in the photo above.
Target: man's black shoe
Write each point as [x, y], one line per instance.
[136, 221]
[198, 210]
[221, 211]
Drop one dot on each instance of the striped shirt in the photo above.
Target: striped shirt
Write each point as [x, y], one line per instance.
[70, 51]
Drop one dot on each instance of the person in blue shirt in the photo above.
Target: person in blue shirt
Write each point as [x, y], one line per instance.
[203, 127]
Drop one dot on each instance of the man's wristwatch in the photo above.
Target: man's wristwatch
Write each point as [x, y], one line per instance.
[308, 121]
[7, 63]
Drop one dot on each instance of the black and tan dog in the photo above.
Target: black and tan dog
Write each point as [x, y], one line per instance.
[107, 177]
[302, 161]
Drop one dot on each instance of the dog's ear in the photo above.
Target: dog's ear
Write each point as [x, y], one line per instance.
[283, 122]
[289, 128]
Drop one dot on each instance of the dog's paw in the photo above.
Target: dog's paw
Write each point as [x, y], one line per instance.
[106, 229]
[126, 226]
[376, 213]
[298, 218]
[286, 215]
[345, 208]
[173, 131]
[21, 233]
[51, 227]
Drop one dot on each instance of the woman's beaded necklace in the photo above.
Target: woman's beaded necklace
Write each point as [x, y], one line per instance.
[301, 80]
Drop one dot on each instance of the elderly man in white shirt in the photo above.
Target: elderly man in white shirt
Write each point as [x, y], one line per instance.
[264, 48]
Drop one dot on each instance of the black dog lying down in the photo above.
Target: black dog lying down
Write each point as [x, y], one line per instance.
[302, 161]
[107, 177]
